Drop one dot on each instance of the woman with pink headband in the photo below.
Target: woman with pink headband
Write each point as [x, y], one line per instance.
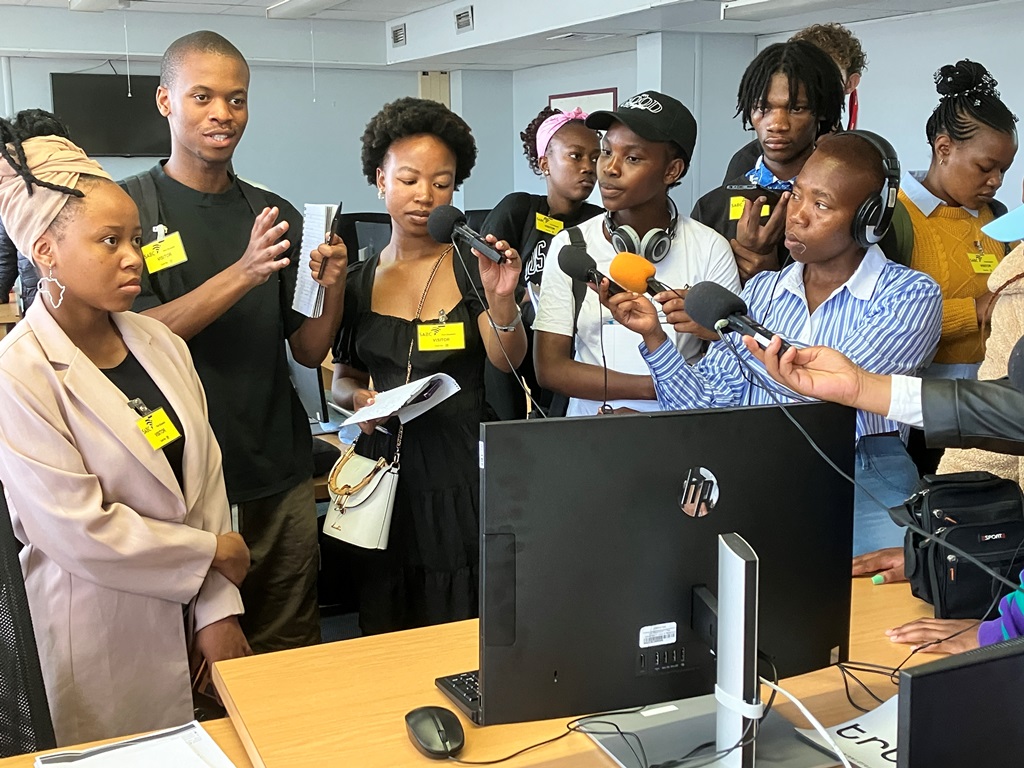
[559, 147]
[112, 474]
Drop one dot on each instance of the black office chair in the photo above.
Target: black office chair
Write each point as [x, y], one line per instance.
[25, 724]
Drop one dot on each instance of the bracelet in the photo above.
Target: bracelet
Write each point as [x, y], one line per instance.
[511, 326]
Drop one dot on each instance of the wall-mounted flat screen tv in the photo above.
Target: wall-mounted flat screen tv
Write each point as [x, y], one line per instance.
[104, 120]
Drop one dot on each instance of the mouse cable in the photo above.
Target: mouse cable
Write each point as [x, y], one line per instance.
[572, 726]
[497, 335]
[1015, 586]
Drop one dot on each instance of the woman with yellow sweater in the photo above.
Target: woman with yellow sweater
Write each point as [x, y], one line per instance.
[973, 137]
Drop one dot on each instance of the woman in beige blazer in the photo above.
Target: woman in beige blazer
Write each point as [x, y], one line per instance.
[119, 534]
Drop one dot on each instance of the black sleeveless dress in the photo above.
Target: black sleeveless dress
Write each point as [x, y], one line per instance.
[429, 573]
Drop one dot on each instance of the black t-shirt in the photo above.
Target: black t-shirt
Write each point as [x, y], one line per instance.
[134, 382]
[743, 161]
[720, 209]
[256, 416]
[514, 220]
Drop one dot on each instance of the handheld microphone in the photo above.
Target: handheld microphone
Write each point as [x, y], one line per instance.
[446, 221]
[579, 265]
[635, 273]
[717, 308]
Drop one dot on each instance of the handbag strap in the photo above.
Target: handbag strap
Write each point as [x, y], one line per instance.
[412, 343]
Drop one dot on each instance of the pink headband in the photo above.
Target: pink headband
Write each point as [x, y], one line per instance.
[550, 127]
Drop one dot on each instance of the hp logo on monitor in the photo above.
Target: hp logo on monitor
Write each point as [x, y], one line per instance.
[700, 494]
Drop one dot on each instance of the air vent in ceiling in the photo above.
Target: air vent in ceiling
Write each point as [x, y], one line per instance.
[398, 36]
[582, 37]
[464, 19]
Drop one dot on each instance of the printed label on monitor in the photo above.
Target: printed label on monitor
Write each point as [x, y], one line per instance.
[658, 634]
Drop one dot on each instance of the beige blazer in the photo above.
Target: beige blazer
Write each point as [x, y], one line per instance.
[112, 548]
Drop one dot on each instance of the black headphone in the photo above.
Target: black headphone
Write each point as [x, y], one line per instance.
[872, 219]
[654, 246]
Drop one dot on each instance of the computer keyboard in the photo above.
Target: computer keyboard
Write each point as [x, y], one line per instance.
[464, 690]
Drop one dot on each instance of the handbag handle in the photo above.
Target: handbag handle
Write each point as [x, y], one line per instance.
[348, 490]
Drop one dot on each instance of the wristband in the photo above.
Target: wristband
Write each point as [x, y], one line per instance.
[511, 326]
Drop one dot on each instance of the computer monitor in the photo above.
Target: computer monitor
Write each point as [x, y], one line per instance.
[309, 387]
[373, 236]
[595, 532]
[963, 709]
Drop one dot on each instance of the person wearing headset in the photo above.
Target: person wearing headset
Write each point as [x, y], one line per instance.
[841, 291]
[645, 150]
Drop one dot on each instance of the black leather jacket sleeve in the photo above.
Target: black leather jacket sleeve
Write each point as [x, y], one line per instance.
[973, 414]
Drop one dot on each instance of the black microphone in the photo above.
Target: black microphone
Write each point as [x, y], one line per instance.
[717, 308]
[578, 264]
[1015, 365]
[446, 221]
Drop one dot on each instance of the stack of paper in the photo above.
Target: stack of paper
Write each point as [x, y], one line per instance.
[409, 400]
[309, 294]
[188, 746]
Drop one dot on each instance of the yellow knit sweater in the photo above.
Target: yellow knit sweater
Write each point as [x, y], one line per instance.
[942, 242]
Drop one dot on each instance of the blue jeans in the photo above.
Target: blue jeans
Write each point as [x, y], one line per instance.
[885, 470]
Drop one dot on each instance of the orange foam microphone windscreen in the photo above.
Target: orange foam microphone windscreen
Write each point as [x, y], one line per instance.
[631, 272]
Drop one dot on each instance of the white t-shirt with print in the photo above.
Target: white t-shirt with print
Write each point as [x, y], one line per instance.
[698, 253]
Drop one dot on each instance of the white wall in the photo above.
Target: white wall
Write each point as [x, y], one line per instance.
[532, 87]
[304, 151]
[897, 93]
[484, 100]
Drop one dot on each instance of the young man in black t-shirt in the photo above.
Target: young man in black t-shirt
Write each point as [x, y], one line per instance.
[791, 94]
[227, 290]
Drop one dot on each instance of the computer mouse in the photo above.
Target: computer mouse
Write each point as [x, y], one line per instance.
[435, 731]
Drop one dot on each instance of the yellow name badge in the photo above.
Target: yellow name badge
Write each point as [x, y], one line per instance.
[439, 337]
[549, 225]
[736, 208]
[157, 427]
[161, 254]
[983, 263]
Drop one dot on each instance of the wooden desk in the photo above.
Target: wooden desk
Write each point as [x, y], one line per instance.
[221, 730]
[344, 703]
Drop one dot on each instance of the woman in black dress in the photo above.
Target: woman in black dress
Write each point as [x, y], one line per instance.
[417, 152]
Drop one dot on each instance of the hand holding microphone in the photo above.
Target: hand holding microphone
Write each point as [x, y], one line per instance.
[636, 274]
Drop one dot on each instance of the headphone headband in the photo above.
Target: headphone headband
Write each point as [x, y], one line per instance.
[873, 220]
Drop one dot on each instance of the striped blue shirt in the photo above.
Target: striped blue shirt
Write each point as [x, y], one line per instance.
[886, 318]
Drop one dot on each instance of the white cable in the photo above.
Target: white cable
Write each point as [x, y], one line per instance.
[812, 720]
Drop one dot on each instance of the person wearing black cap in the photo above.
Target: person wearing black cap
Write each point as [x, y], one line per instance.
[645, 151]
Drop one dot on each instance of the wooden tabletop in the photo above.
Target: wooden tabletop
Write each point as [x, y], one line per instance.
[344, 703]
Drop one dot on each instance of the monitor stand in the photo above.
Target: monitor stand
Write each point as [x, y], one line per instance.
[672, 730]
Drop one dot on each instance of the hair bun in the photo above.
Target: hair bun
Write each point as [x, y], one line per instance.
[963, 78]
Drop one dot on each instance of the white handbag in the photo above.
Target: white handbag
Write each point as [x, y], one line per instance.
[362, 499]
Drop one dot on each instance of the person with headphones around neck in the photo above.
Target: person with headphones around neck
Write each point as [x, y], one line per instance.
[840, 291]
[645, 150]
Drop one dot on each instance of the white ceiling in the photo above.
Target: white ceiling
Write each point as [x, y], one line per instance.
[751, 17]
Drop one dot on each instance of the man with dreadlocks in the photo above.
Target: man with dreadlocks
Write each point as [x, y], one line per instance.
[228, 292]
[791, 94]
[122, 525]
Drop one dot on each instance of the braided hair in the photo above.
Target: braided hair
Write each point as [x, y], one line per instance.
[29, 124]
[967, 99]
[802, 63]
[529, 137]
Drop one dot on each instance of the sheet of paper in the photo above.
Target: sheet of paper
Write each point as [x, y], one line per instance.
[387, 404]
[309, 294]
[188, 746]
[868, 740]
